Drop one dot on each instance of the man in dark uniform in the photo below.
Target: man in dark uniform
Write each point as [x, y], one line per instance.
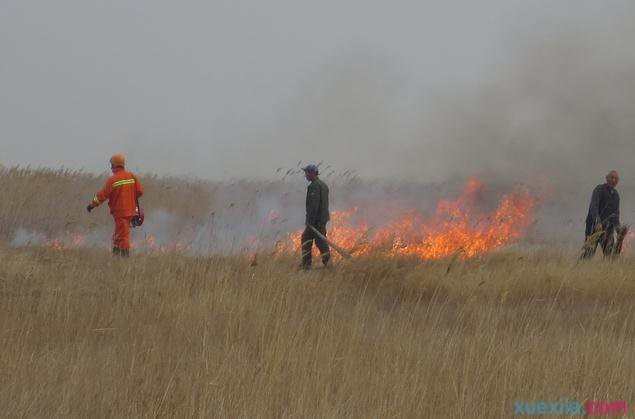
[317, 215]
[604, 216]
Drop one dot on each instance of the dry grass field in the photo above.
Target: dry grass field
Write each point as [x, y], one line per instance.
[181, 335]
[85, 335]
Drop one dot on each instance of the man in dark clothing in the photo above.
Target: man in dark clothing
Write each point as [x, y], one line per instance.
[317, 215]
[603, 216]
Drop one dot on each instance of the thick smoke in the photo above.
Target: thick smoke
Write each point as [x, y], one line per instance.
[563, 108]
[559, 113]
[555, 112]
[558, 106]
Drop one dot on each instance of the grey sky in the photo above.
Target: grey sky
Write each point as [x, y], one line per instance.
[214, 88]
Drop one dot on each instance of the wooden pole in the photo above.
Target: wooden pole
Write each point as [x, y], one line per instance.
[338, 249]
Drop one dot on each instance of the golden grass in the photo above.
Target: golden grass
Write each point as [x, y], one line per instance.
[53, 202]
[84, 334]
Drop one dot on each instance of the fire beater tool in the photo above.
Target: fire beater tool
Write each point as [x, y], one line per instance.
[338, 249]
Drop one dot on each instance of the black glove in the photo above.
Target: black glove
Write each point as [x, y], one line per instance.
[89, 208]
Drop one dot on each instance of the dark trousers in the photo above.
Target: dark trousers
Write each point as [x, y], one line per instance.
[607, 242]
[308, 237]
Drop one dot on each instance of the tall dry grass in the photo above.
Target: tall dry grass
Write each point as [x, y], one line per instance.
[86, 335]
[53, 201]
[51, 204]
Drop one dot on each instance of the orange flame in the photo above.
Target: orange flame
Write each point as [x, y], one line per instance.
[72, 241]
[149, 243]
[456, 227]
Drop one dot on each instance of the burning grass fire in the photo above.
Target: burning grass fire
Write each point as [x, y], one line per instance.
[457, 227]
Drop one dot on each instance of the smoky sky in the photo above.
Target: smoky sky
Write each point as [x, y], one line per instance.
[218, 89]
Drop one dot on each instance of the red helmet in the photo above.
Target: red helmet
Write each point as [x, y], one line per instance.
[118, 160]
[137, 220]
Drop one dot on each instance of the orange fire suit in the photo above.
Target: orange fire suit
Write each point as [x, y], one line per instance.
[121, 191]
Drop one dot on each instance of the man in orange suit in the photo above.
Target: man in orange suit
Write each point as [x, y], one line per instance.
[122, 191]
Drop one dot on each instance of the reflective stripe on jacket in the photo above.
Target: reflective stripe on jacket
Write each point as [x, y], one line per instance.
[121, 191]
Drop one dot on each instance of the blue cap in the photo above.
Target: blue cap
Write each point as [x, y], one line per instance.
[311, 169]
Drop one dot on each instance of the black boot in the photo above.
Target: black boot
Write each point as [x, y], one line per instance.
[116, 251]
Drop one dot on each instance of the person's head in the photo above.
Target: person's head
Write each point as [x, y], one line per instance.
[311, 172]
[118, 161]
[612, 178]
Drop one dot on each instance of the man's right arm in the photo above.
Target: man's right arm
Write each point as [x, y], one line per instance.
[594, 207]
[138, 187]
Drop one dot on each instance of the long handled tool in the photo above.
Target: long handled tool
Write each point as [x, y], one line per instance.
[591, 242]
[338, 249]
[621, 235]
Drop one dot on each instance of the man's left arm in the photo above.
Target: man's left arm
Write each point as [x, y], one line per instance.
[101, 196]
[324, 205]
[312, 204]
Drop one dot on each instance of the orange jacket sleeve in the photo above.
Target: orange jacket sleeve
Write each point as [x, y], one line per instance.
[138, 187]
[103, 194]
